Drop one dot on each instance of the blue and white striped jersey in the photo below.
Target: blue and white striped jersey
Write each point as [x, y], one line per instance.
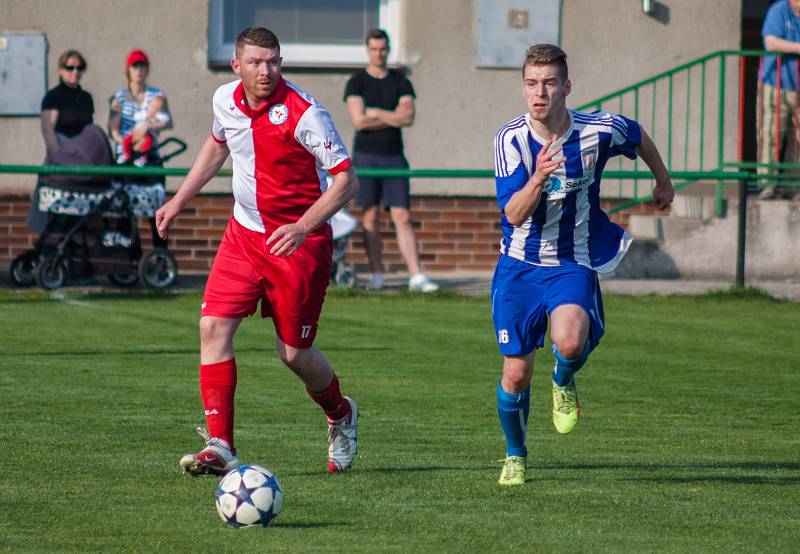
[132, 112]
[568, 226]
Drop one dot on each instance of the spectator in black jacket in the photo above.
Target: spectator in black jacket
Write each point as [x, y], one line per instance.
[66, 110]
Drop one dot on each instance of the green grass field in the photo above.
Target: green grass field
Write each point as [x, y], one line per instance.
[688, 441]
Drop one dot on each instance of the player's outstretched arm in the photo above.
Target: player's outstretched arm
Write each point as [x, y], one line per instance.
[523, 203]
[287, 238]
[663, 192]
[207, 163]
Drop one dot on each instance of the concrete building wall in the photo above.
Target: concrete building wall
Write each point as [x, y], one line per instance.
[610, 44]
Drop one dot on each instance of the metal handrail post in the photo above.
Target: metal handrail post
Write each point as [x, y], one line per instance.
[741, 234]
[719, 208]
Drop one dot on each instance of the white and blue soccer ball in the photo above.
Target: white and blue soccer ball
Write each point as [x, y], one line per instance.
[249, 496]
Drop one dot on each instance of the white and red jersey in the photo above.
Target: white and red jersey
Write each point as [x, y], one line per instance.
[280, 153]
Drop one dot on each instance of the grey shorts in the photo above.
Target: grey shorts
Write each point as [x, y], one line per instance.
[393, 190]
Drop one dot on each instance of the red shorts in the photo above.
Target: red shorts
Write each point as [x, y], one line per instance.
[291, 289]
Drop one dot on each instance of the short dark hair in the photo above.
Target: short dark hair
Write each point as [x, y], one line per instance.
[257, 36]
[62, 59]
[377, 34]
[547, 54]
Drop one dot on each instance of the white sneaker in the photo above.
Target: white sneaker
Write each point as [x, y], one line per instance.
[421, 283]
[376, 282]
[342, 446]
[216, 458]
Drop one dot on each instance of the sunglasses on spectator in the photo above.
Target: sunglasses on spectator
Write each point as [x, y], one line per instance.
[139, 64]
[74, 67]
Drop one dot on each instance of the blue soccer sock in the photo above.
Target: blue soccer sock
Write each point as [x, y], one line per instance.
[513, 410]
[566, 368]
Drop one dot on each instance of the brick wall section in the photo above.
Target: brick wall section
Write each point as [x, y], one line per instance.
[453, 233]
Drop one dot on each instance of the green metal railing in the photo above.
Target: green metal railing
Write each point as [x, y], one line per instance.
[693, 136]
[681, 178]
[120, 171]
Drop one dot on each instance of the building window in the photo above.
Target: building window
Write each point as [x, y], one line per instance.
[313, 33]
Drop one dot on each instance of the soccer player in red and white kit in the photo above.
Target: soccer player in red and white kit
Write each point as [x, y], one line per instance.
[277, 246]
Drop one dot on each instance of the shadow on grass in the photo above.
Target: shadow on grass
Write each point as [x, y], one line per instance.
[743, 465]
[409, 469]
[731, 479]
[692, 472]
[164, 351]
[32, 296]
[306, 525]
[89, 353]
[334, 348]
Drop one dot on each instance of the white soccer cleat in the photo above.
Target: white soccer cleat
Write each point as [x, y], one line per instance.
[376, 282]
[421, 283]
[215, 459]
[342, 445]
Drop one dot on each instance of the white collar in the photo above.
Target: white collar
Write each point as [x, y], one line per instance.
[560, 140]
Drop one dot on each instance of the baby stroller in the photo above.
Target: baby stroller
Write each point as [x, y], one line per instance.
[342, 224]
[93, 226]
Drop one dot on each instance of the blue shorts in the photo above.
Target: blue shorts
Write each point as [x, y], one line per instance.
[524, 296]
[393, 190]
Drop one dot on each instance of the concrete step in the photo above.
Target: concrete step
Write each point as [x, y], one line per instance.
[660, 228]
[674, 228]
[693, 206]
[646, 226]
[688, 213]
[707, 249]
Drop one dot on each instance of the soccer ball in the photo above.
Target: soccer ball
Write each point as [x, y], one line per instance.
[249, 496]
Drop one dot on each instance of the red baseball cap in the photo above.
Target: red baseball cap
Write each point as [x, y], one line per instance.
[136, 56]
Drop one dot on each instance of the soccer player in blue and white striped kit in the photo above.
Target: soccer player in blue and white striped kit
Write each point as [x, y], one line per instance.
[548, 165]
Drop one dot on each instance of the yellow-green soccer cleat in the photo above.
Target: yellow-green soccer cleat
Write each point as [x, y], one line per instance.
[566, 407]
[513, 473]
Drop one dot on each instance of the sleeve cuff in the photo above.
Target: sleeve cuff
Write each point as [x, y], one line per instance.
[217, 140]
[341, 166]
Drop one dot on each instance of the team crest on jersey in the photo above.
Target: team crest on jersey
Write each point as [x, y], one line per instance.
[589, 159]
[278, 114]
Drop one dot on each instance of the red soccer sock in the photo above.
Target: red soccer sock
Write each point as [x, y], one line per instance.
[146, 144]
[331, 401]
[127, 146]
[217, 388]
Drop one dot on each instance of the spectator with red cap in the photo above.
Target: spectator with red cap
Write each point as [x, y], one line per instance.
[138, 112]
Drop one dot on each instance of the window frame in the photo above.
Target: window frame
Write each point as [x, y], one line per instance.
[310, 54]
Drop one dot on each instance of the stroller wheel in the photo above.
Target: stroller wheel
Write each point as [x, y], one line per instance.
[51, 273]
[344, 278]
[23, 269]
[124, 279]
[158, 269]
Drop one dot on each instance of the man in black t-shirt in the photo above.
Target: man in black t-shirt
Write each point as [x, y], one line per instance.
[380, 102]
